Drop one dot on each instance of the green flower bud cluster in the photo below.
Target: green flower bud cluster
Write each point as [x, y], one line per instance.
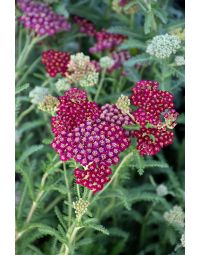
[49, 104]
[123, 103]
[80, 207]
[162, 190]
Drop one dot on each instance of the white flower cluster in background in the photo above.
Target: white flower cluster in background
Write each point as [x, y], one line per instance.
[106, 62]
[38, 94]
[175, 216]
[163, 46]
[162, 190]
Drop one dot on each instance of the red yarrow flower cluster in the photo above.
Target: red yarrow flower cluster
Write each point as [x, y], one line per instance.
[98, 141]
[86, 26]
[106, 41]
[41, 18]
[74, 109]
[151, 140]
[94, 178]
[81, 134]
[56, 62]
[153, 104]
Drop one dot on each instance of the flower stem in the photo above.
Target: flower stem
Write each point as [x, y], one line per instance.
[39, 195]
[68, 193]
[29, 70]
[27, 49]
[100, 84]
[23, 114]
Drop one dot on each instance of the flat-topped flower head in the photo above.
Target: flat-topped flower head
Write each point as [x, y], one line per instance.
[74, 109]
[81, 71]
[106, 41]
[41, 18]
[163, 46]
[86, 26]
[49, 104]
[155, 113]
[94, 178]
[38, 94]
[98, 141]
[123, 103]
[56, 62]
[151, 102]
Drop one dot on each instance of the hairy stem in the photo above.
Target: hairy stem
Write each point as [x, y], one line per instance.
[68, 193]
[24, 113]
[39, 195]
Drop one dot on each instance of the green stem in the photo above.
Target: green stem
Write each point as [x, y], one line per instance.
[53, 203]
[24, 113]
[142, 233]
[21, 201]
[26, 51]
[68, 193]
[100, 84]
[78, 190]
[39, 195]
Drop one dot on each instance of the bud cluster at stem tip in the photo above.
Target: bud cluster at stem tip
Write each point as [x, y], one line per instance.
[80, 207]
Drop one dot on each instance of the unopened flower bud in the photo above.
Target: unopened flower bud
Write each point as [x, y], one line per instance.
[162, 190]
[80, 207]
[123, 103]
[49, 104]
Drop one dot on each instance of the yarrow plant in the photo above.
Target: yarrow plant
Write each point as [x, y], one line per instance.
[99, 127]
